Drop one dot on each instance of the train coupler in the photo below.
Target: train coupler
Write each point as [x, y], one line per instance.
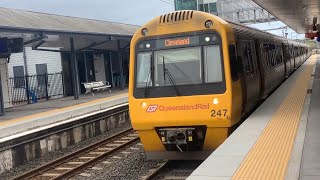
[182, 138]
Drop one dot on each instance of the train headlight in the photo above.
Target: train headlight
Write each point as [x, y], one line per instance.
[215, 101]
[214, 38]
[148, 45]
[144, 31]
[207, 39]
[208, 24]
[143, 105]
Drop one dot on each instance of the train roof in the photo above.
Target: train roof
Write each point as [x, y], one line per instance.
[244, 30]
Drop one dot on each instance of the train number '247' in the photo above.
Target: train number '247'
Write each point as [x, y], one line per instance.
[219, 113]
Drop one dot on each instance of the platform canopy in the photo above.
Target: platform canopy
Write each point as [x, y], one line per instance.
[48, 30]
[300, 15]
[69, 34]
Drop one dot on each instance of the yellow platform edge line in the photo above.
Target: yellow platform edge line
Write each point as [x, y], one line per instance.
[269, 157]
[54, 111]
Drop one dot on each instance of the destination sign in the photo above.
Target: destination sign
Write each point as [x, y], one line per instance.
[176, 42]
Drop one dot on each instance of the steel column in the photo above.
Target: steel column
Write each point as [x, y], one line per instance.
[121, 64]
[121, 70]
[25, 61]
[85, 65]
[74, 69]
[26, 73]
[1, 98]
[46, 85]
[110, 68]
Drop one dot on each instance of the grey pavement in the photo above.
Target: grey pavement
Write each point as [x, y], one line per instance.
[310, 168]
[29, 109]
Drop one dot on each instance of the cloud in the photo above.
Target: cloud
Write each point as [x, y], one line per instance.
[125, 11]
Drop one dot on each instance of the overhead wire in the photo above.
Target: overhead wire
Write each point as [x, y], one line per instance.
[231, 17]
[229, 2]
[244, 8]
[236, 3]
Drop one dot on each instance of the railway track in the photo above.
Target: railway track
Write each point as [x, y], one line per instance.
[85, 158]
[172, 170]
[153, 173]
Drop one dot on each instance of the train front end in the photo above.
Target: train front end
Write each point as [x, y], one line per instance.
[181, 95]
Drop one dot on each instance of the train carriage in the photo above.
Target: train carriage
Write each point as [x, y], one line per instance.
[194, 76]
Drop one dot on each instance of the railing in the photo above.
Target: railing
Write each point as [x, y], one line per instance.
[31, 88]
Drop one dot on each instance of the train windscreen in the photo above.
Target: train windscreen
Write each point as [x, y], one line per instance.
[183, 65]
[178, 62]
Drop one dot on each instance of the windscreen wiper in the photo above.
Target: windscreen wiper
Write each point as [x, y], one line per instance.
[182, 72]
[146, 88]
[171, 78]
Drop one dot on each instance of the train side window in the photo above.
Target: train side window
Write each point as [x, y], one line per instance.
[286, 52]
[267, 55]
[289, 52]
[278, 56]
[249, 63]
[273, 52]
[274, 55]
[213, 67]
[234, 63]
[253, 57]
[144, 70]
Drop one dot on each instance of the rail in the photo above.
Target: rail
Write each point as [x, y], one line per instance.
[73, 163]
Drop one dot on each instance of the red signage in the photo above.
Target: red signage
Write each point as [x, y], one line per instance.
[311, 35]
[185, 107]
[177, 42]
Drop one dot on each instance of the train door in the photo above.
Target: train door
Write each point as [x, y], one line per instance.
[291, 50]
[300, 56]
[286, 57]
[251, 73]
[296, 57]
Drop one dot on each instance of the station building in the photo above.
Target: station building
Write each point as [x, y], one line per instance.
[61, 53]
[243, 11]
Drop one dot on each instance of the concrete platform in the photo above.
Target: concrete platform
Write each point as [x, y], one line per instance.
[225, 162]
[310, 167]
[27, 117]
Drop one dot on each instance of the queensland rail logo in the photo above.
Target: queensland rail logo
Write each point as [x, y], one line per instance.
[184, 107]
[152, 108]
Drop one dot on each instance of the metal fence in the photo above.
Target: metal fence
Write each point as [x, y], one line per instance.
[32, 88]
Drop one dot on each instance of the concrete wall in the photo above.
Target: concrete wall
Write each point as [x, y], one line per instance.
[21, 154]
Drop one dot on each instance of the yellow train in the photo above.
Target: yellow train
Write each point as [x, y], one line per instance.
[194, 76]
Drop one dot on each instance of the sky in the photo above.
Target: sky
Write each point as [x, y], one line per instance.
[291, 34]
[135, 12]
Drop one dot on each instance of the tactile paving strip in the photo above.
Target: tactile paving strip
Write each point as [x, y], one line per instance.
[269, 157]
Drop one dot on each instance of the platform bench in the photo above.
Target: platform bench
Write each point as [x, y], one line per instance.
[96, 86]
